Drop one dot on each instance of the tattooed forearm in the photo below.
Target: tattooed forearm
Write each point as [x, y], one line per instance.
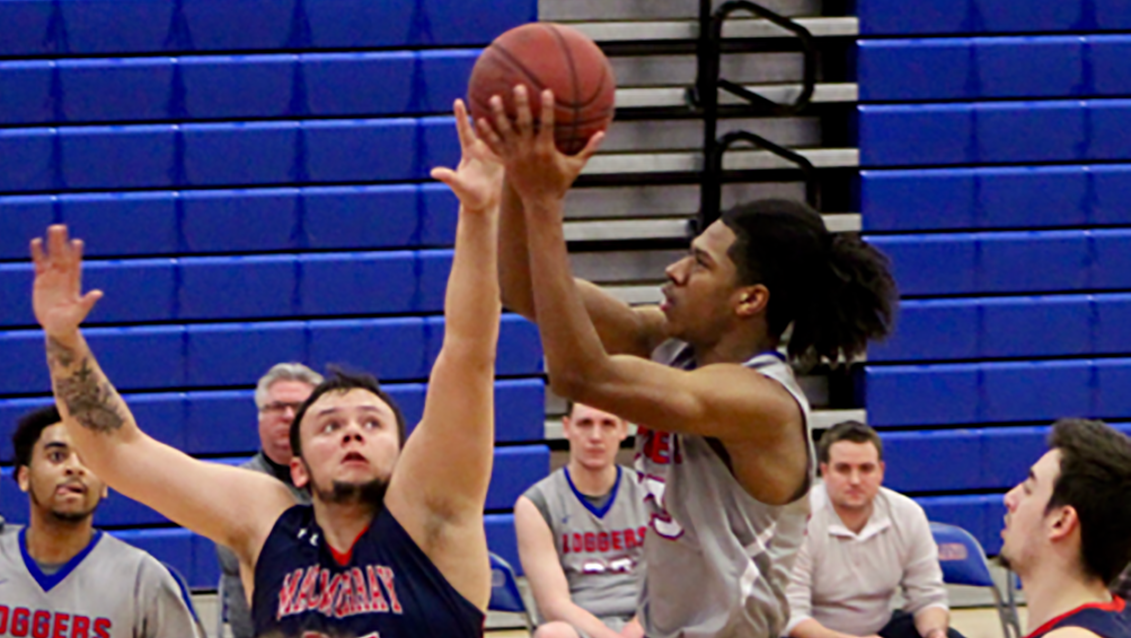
[91, 401]
[59, 354]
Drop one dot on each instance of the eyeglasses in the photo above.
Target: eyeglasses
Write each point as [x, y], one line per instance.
[278, 407]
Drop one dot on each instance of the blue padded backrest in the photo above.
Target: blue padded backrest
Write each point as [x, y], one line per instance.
[1060, 325]
[990, 16]
[505, 594]
[997, 391]
[39, 27]
[980, 514]
[226, 154]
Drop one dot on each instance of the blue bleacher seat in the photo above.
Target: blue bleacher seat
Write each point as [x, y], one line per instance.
[217, 87]
[370, 283]
[388, 348]
[1111, 186]
[142, 289]
[516, 469]
[122, 223]
[344, 217]
[891, 17]
[1108, 138]
[919, 69]
[928, 134]
[1005, 131]
[1112, 258]
[219, 422]
[501, 539]
[25, 28]
[24, 217]
[240, 153]
[980, 514]
[942, 394]
[1110, 59]
[101, 26]
[1113, 377]
[930, 330]
[25, 91]
[239, 353]
[893, 200]
[240, 220]
[362, 150]
[948, 460]
[116, 156]
[1029, 67]
[27, 157]
[116, 89]
[237, 287]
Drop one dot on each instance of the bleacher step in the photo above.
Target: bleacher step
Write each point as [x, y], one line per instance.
[689, 29]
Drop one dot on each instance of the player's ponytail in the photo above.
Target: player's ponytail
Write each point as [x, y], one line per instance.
[834, 289]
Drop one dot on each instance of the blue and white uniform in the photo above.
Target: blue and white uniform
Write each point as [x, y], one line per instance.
[1107, 620]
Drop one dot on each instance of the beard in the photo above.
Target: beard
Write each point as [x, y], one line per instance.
[370, 493]
[63, 516]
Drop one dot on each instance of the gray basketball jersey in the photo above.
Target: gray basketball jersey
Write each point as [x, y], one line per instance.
[109, 590]
[718, 559]
[601, 550]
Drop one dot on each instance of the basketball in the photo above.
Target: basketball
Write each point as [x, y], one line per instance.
[548, 56]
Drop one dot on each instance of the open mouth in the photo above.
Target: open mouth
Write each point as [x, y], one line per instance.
[354, 457]
[67, 489]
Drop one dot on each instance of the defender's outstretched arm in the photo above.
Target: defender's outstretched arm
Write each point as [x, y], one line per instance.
[440, 483]
[231, 506]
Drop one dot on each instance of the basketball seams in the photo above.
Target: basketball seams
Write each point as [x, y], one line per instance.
[575, 85]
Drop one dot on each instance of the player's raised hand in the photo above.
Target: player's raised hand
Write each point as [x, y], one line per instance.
[57, 298]
[535, 166]
[478, 180]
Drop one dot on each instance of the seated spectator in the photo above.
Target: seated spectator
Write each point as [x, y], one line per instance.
[864, 543]
[278, 395]
[60, 576]
[581, 534]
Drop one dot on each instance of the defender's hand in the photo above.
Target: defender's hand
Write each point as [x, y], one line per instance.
[478, 180]
[536, 169]
[57, 295]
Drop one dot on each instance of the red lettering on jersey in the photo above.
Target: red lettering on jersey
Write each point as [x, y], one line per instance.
[640, 534]
[618, 540]
[59, 627]
[590, 542]
[41, 624]
[603, 541]
[288, 593]
[20, 618]
[360, 594]
[343, 601]
[629, 539]
[386, 575]
[578, 543]
[80, 626]
[376, 598]
[308, 595]
[565, 543]
[4, 613]
[102, 628]
[330, 594]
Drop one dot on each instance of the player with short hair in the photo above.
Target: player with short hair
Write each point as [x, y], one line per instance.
[59, 576]
[393, 543]
[581, 531]
[1068, 532]
[723, 446]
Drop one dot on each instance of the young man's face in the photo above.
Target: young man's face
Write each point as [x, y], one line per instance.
[283, 399]
[56, 481]
[853, 474]
[1027, 525]
[702, 288]
[350, 442]
[594, 436]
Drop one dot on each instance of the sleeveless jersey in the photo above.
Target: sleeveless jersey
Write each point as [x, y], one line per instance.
[600, 549]
[108, 590]
[1107, 620]
[718, 559]
[386, 586]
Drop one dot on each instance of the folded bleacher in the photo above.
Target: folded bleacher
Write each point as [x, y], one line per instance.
[251, 181]
[996, 168]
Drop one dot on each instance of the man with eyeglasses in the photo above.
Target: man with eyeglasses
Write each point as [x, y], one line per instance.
[278, 395]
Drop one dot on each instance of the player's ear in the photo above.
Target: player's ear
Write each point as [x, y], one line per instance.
[752, 300]
[22, 478]
[1063, 521]
[299, 476]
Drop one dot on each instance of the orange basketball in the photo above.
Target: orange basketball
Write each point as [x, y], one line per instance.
[542, 56]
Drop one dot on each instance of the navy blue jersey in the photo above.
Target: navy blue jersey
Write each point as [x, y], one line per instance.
[385, 586]
[1107, 620]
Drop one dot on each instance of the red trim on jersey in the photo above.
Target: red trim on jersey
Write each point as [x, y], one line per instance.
[1116, 605]
[343, 558]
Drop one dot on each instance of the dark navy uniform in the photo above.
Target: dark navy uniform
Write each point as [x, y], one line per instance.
[385, 586]
[1107, 620]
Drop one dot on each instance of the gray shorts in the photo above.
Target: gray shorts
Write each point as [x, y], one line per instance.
[616, 623]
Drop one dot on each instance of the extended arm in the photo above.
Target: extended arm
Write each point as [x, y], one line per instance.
[231, 506]
[440, 482]
[543, 570]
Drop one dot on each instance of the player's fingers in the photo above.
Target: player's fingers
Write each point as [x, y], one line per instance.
[502, 123]
[463, 126]
[442, 174]
[37, 256]
[89, 299]
[489, 136]
[57, 242]
[546, 133]
[524, 119]
[591, 146]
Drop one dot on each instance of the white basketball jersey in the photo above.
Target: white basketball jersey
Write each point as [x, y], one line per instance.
[109, 590]
[718, 559]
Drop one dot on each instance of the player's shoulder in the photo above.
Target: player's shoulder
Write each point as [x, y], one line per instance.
[900, 505]
[548, 485]
[1071, 632]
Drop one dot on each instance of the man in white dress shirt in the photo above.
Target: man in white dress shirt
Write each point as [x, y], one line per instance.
[864, 543]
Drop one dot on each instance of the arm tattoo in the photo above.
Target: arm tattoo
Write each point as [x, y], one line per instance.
[57, 353]
[90, 401]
